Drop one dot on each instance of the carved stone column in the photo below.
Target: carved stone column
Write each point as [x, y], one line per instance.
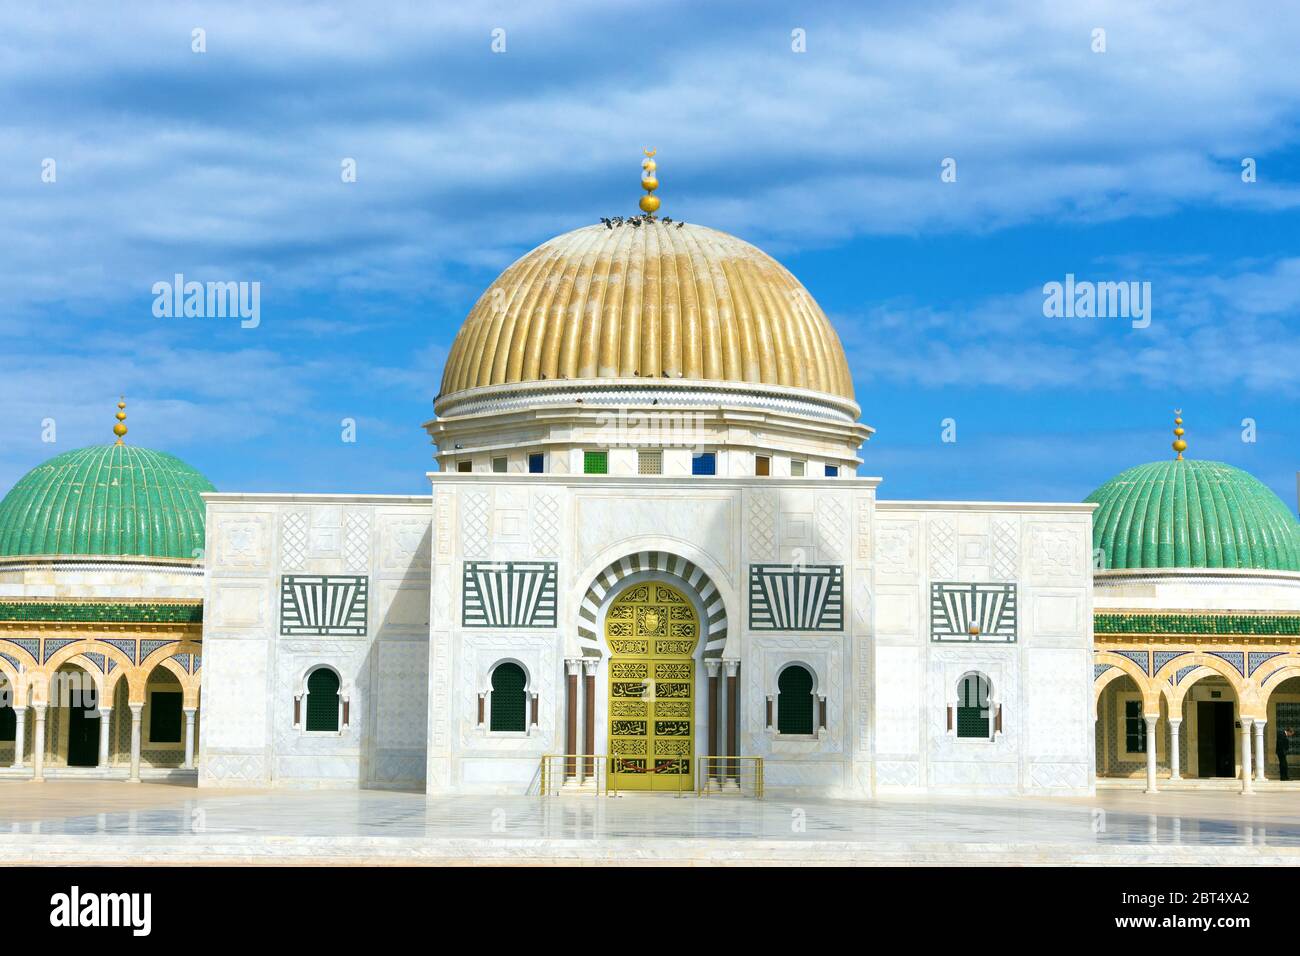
[20, 735]
[733, 720]
[711, 668]
[105, 727]
[137, 712]
[1151, 720]
[189, 738]
[1259, 749]
[1247, 778]
[571, 667]
[589, 715]
[1174, 724]
[38, 743]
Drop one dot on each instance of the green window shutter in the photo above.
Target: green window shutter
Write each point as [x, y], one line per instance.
[8, 723]
[508, 699]
[973, 707]
[595, 462]
[164, 717]
[794, 702]
[323, 700]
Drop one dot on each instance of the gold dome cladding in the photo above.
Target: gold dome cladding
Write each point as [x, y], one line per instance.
[647, 300]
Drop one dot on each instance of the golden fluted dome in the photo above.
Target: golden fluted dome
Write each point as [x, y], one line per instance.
[655, 300]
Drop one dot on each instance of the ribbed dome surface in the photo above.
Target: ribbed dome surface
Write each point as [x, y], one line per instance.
[106, 500]
[1193, 514]
[648, 302]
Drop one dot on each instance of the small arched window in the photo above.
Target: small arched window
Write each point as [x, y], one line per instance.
[323, 700]
[794, 701]
[973, 707]
[509, 711]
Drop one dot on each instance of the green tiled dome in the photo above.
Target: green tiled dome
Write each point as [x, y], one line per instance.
[1193, 514]
[106, 500]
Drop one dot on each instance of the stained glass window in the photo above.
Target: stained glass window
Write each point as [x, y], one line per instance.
[705, 463]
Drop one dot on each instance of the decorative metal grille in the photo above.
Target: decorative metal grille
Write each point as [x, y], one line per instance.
[319, 604]
[794, 701]
[968, 613]
[508, 699]
[794, 597]
[509, 594]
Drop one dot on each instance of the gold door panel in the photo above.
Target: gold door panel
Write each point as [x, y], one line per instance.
[652, 630]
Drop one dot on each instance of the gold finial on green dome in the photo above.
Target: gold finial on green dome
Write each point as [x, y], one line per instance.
[1179, 446]
[649, 182]
[120, 428]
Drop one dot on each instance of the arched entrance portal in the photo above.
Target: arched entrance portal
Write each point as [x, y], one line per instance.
[652, 630]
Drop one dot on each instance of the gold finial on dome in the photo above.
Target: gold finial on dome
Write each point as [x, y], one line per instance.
[120, 428]
[1179, 445]
[649, 182]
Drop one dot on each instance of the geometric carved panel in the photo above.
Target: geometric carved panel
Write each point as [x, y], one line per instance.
[509, 594]
[967, 613]
[321, 604]
[796, 597]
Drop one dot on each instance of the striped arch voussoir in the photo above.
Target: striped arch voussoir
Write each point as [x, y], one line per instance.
[670, 565]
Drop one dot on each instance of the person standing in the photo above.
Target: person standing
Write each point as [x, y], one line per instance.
[1283, 748]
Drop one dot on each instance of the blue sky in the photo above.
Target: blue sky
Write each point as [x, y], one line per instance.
[225, 166]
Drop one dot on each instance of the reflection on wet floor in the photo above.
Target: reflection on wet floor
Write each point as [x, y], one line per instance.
[1192, 820]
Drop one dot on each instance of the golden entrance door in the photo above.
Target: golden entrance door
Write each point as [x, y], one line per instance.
[651, 630]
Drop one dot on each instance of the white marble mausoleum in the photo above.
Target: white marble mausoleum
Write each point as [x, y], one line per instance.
[646, 550]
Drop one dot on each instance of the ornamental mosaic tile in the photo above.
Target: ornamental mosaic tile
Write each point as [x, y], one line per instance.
[124, 645]
[323, 604]
[1141, 658]
[31, 645]
[148, 647]
[973, 613]
[1257, 658]
[1099, 669]
[52, 647]
[1236, 658]
[1164, 657]
[509, 594]
[796, 597]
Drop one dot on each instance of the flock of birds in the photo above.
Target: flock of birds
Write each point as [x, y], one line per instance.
[636, 221]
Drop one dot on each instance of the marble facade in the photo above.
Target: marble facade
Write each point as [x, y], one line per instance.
[415, 674]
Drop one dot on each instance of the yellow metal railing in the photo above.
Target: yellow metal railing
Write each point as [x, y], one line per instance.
[594, 773]
[580, 771]
[735, 775]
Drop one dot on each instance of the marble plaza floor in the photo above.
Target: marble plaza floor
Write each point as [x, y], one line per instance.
[107, 822]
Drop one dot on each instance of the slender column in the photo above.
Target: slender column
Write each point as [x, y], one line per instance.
[1151, 751]
[189, 738]
[105, 725]
[1174, 724]
[589, 715]
[1259, 749]
[571, 716]
[137, 712]
[38, 744]
[1247, 781]
[733, 719]
[20, 734]
[711, 668]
